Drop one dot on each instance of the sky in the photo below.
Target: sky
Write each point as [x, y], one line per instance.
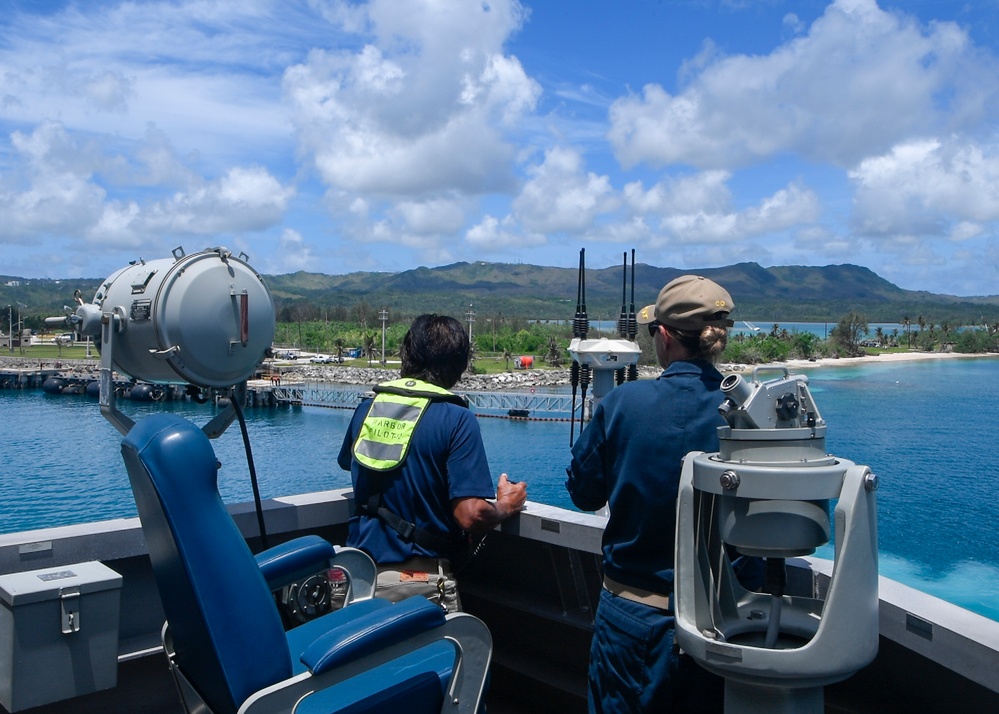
[336, 137]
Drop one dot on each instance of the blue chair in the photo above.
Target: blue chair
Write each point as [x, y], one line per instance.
[224, 638]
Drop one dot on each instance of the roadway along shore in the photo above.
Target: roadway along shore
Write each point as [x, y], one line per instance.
[516, 380]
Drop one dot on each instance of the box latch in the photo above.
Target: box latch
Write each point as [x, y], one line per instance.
[69, 598]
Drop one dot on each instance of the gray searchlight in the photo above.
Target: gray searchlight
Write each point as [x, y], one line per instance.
[766, 493]
[205, 319]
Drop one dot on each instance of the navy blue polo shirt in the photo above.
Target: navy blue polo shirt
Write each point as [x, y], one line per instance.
[446, 461]
[629, 456]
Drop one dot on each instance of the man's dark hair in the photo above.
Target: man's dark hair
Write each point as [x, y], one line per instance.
[435, 349]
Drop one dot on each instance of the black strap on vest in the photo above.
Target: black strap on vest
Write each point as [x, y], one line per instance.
[456, 399]
[407, 531]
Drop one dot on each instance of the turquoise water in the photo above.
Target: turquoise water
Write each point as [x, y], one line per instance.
[926, 429]
[821, 329]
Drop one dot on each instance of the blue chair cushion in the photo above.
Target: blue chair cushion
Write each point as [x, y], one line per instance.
[414, 683]
[363, 634]
[297, 559]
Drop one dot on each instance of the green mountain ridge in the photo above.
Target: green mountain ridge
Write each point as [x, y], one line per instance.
[780, 293]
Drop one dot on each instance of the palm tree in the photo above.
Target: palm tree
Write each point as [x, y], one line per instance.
[879, 336]
[908, 334]
[507, 356]
[553, 353]
[338, 345]
[368, 347]
[473, 354]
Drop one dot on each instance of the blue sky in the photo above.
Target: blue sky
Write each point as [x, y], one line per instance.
[343, 136]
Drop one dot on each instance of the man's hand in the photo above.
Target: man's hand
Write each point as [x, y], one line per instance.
[477, 515]
[510, 496]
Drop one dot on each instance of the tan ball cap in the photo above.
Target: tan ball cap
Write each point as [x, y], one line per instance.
[690, 302]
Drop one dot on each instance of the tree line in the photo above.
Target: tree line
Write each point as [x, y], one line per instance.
[506, 337]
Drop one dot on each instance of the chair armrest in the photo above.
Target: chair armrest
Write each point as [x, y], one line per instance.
[362, 570]
[301, 557]
[468, 636]
[372, 632]
[297, 559]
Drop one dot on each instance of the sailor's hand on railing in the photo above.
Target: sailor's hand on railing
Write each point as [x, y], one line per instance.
[510, 495]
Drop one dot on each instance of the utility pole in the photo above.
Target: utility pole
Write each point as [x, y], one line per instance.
[20, 330]
[471, 318]
[383, 316]
[10, 328]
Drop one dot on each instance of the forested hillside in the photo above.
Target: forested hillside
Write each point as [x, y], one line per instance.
[783, 293]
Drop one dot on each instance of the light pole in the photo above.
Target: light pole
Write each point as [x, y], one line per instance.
[383, 316]
[471, 318]
[20, 336]
[10, 327]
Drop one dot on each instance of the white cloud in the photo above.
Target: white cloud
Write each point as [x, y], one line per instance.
[54, 193]
[245, 199]
[198, 70]
[560, 197]
[494, 236]
[432, 217]
[422, 107]
[60, 193]
[928, 187]
[697, 209]
[705, 191]
[108, 91]
[294, 253]
[410, 123]
[861, 80]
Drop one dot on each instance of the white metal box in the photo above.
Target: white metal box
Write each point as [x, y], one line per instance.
[58, 633]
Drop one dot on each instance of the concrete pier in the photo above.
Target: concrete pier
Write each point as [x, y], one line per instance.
[18, 378]
[273, 391]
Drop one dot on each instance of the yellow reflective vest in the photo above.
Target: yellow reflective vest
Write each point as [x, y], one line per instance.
[387, 431]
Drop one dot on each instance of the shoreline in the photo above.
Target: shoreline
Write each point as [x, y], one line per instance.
[887, 357]
[506, 381]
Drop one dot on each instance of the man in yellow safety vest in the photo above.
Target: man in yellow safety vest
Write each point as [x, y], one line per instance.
[421, 480]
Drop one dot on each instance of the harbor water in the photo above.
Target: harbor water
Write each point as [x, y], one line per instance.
[925, 428]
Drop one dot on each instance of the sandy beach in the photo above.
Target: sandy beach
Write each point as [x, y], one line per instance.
[884, 358]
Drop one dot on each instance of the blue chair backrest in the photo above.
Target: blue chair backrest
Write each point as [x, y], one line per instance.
[225, 627]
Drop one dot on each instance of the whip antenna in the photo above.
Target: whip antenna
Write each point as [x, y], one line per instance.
[578, 327]
[632, 320]
[584, 369]
[622, 318]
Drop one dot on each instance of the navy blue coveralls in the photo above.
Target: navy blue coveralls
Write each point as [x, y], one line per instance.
[629, 456]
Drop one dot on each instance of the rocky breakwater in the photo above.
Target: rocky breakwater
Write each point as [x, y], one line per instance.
[509, 381]
[520, 380]
[67, 367]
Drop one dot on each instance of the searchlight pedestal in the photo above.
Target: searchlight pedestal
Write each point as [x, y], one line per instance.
[205, 320]
[766, 493]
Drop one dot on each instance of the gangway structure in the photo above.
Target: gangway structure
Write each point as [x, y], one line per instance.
[528, 405]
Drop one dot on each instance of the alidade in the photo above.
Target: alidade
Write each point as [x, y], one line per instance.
[766, 494]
